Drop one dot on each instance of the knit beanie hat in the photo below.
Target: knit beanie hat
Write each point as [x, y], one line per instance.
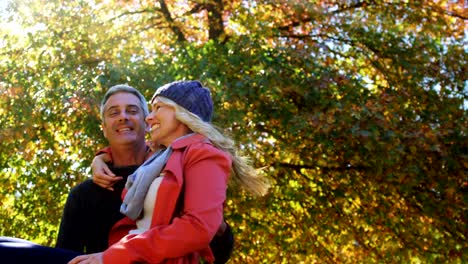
[191, 95]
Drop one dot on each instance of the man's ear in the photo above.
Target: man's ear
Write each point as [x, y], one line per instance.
[103, 128]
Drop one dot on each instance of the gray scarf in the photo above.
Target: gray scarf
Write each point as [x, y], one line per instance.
[139, 182]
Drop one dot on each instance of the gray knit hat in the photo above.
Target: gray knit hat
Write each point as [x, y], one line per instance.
[191, 95]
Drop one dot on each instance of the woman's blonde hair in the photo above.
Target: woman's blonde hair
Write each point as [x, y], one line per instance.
[243, 173]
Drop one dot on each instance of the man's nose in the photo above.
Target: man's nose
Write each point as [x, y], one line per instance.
[123, 116]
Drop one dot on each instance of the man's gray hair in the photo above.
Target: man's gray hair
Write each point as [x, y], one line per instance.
[123, 88]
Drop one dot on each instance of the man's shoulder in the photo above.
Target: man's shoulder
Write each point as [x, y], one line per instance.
[83, 188]
[123, 170]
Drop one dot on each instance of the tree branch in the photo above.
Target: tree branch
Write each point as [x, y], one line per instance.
[344, 7]
[215, 20]
[129, 13]
[215, 10]
[170, 20]
[323, 168]
[341, 8]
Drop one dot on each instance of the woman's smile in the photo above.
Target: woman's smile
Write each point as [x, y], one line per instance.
[154, 127]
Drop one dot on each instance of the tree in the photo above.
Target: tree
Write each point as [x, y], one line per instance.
[356, 110]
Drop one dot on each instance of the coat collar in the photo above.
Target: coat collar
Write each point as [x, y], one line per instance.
[183, 142]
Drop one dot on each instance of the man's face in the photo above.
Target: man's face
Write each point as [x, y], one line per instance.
[123, 122]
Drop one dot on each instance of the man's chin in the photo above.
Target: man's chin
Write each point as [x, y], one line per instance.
[125, 140]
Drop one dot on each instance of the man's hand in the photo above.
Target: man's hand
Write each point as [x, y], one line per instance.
[102, 175]
[95, 258]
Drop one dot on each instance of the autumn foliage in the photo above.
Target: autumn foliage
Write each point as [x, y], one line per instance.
[356, 111]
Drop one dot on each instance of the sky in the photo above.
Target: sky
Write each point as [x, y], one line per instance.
[3, 5]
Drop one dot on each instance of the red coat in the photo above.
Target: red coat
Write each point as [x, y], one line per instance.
[203, 170]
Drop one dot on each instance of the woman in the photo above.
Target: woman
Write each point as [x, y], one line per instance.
[174, 201]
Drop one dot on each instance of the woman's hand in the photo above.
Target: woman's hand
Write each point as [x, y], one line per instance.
[102, 175]
[95, 258]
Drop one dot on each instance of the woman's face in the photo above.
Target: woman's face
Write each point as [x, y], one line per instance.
[164, 127]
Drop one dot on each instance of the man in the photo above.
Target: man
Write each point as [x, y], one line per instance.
[92, 208]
